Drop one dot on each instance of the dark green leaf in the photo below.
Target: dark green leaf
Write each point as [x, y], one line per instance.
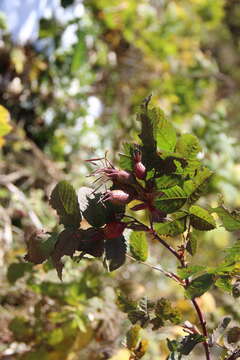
[139, 245]
[64, 200]
[17, 270]
[171, 200]
[192, 243]
[201, 219]
[67, 243]
[125, 161]
[115, 252]
[98, 213]
[200, 285]
[189, 342]
[40, 246]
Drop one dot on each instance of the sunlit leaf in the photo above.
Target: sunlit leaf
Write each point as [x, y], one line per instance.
[201, 219]
[139, 245]
[64, 200]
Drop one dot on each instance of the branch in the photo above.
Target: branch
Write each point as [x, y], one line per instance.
[235, 355]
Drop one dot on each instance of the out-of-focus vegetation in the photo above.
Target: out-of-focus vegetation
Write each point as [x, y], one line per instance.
[72, 95]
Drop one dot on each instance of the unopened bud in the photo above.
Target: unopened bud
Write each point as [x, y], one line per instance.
[119, 197]
[140, 170]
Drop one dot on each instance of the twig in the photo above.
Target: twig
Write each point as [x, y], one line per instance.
[158, 268]
[235, 355]
[20, 195]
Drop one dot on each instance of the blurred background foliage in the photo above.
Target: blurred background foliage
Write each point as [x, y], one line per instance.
[72, 94]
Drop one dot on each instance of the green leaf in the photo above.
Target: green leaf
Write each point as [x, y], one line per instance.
[201, 219]
[233, 253]
[192, 243]
[171, 228]
[189, 342]
[133, 337]
[185, 273]
[64, 200]
[166, 181]
[188, 145]
[40, 246]
[17, 270]
[164, 132]
[224, 283]
[171, 200]
[199, 286]
[230, 220]
[125, 305]
[125, 161]
[197, 186]
[80, 53]
[139, 245]
[165, 311]
[115, 252]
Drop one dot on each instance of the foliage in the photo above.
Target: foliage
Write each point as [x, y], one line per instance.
[104, 238]
[72, 94]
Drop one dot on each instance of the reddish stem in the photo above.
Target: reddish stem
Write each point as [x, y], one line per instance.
[194, 301]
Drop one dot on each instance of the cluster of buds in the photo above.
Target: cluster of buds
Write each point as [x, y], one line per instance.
[126, 187]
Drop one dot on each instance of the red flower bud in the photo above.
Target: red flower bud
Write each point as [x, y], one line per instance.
[120, 176]
[140, 170]
[114, 229]
[117, 197]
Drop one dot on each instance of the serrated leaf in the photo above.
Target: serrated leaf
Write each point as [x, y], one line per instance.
[171, 228]
[166, 181]
[98, 213]
[115, 252]
[68, 242]
[185, 273]
[149, 145]
[192, 243]
[164, 132]
[230, 220]
[133, 337]
[197, 186]
[201, 219]
[40, 246]
[125, 158]
[17, 270]
[139, 245]
[200, 285]
[64, 200]
[188, 145]
[92, 242]
[171, 200]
